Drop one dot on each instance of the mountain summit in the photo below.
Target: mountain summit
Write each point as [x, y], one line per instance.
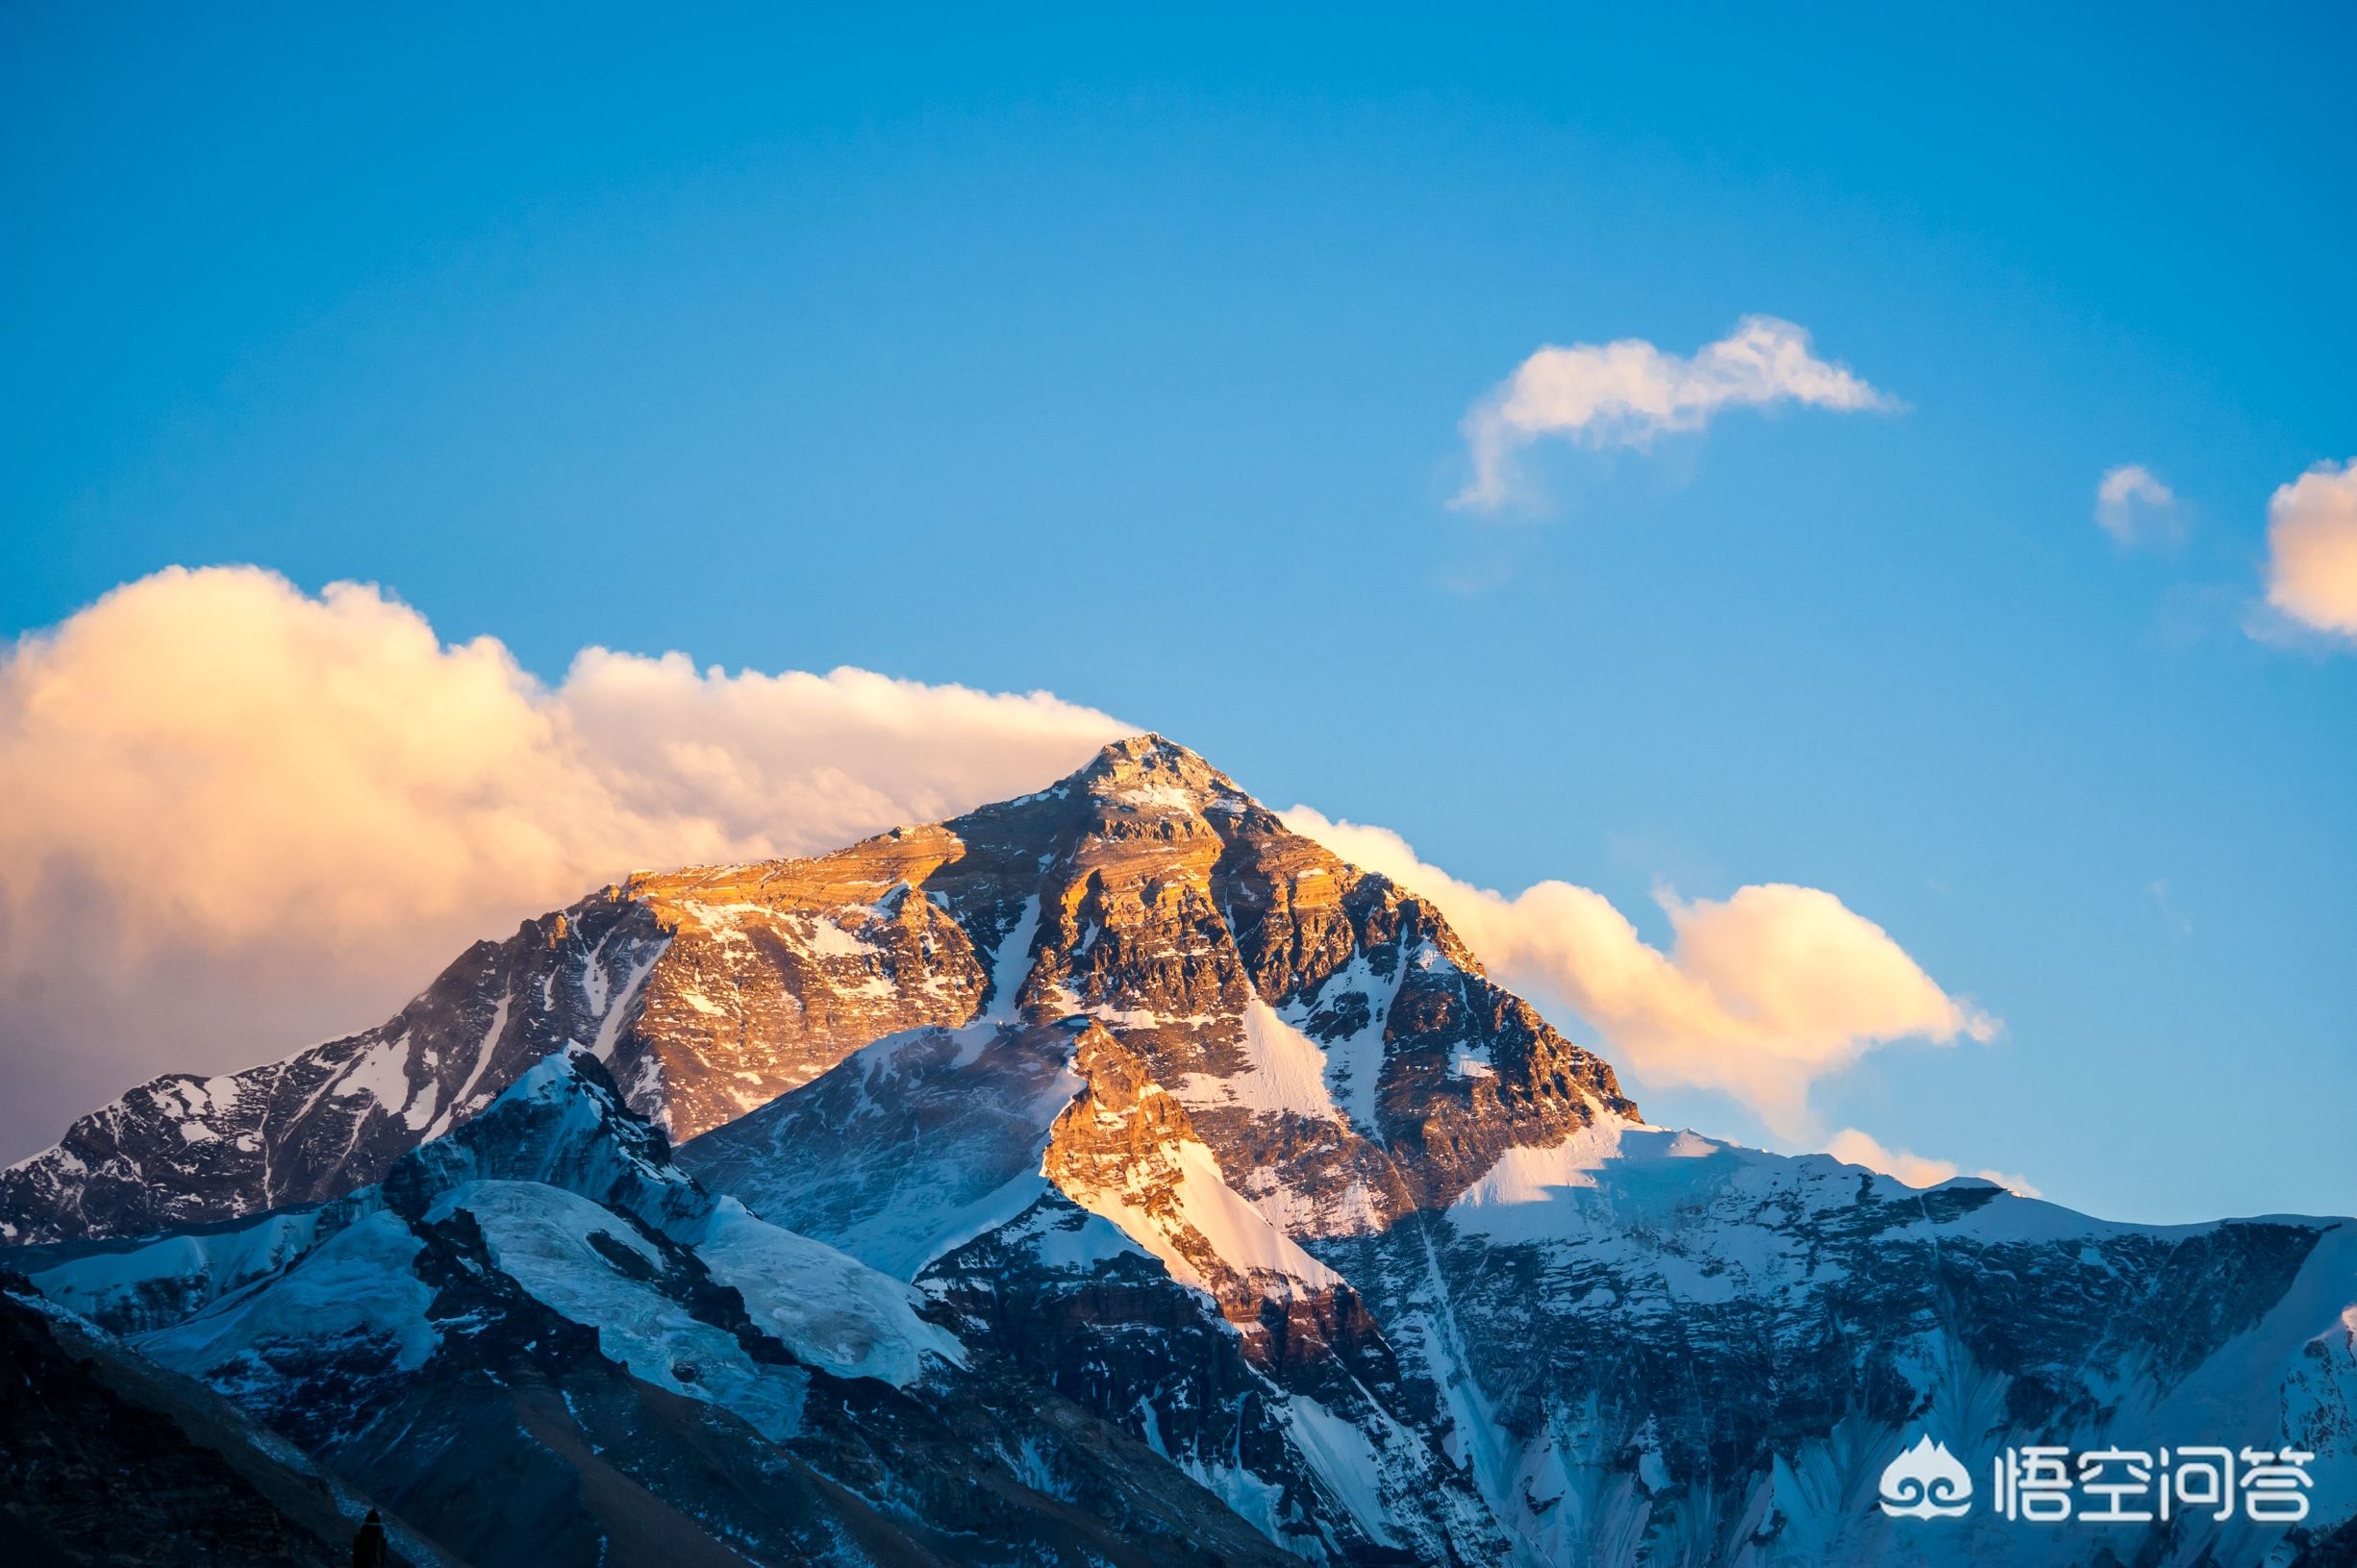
[1322, 1019]
[1112, 1175]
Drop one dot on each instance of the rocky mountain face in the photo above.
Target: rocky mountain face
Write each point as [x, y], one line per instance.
[538, 1341]
[707, 992]
[1111, 1175]
[1147, 889]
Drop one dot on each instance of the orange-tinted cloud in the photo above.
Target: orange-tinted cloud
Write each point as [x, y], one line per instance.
[241, 816]
[1761, 993]
[2312, 549]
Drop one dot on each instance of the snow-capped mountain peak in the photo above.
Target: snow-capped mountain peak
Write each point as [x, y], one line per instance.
[1144, 1139]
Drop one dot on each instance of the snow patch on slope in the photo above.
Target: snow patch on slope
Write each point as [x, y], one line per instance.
[359, 1283]
[380, 1073]
[1354, 1061]
[1284, 1072]
[1536, 1193]
[462, 1101]
[1011, 963]
[613, 1010]
[541, 1237]
[1156, 1208]
[832, 1310]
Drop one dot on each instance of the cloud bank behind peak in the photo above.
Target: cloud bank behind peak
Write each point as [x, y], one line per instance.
[1761, 993]
[243, 817]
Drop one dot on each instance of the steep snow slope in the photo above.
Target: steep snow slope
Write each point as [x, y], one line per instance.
[544, 1343]
[1039, 1182]
[1657, 1347]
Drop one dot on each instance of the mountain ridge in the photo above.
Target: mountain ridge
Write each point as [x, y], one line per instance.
[710, 990]
[1147, 1110]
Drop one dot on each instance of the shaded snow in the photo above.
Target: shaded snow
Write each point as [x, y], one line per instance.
[121, 1285]
[615, 1010]
[459, 1102]
[1012, 963]
[541, 1237]
[1345, 1459]
[359, 1283]
[834, 1311]
[1354, 1061]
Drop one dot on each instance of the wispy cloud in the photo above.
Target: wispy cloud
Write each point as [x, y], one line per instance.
[1763, 992]
[1626, 393]
[2134, 507]
[2312, 551]
[1855, 1148]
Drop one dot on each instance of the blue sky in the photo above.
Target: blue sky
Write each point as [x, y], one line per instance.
[1125, 357]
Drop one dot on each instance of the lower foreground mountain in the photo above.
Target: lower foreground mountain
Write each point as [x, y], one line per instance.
[1106, 1177]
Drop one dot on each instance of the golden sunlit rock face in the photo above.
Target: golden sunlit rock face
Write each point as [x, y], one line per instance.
[772, 974]
[1327, 1037]
[1327, 1034]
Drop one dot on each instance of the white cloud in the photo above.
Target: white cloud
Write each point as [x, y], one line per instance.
[1626, 394]
[1763, 992]
[2312, 549]
[2132, 506]
[1855, 1148]
[241, 818]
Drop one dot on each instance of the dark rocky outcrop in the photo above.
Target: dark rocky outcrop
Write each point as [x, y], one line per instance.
[110, 1459]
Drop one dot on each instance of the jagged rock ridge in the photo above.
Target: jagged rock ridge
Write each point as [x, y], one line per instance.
[1146, 890]
[1172, 1123]
[543, 1343]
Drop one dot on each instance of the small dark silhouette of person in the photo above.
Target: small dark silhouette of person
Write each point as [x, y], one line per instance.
[368, 1546]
